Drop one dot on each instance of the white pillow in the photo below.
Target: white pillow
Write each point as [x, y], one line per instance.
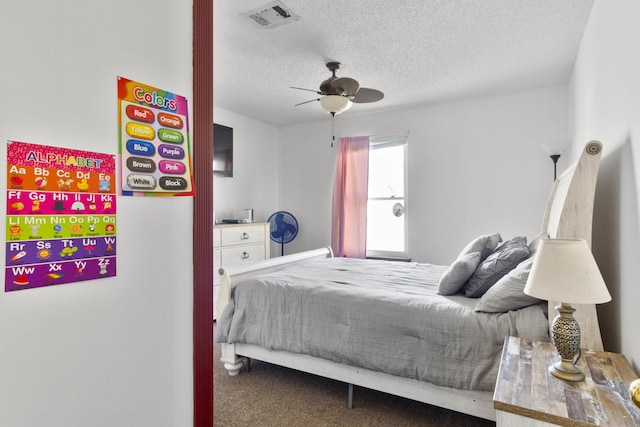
[535, 243]
[458, 273]
[485, 244]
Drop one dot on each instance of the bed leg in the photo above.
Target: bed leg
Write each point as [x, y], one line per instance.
[233, 369]
[350, 399]
[232, 362]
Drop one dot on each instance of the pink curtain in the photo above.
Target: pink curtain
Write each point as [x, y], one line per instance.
[350, 188]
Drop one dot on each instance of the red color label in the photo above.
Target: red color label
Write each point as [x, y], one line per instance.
[140, 114]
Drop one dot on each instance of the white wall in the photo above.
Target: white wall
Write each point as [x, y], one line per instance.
[254, 184]
[476, 166]
[605, 105]
[255, 168]
[117, 351]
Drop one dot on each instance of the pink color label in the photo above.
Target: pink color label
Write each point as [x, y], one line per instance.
[171, 167]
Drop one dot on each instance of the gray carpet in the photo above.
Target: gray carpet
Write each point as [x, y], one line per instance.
[270, 395]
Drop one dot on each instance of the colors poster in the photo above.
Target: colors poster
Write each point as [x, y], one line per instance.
[155, 152]
[61, 216]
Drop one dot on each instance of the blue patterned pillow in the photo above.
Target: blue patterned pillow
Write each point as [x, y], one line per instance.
[495, 266]
[508, 293]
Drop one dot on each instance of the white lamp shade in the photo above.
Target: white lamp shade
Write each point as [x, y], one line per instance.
[335, 104]
[565, 270]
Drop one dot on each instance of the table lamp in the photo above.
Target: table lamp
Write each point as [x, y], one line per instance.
[564, 270]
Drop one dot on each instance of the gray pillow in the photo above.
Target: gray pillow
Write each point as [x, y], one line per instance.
[496, 265]
[458, 273]
[508, 293]
[485, 244]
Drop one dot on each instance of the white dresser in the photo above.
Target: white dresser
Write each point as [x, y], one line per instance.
[238, 244]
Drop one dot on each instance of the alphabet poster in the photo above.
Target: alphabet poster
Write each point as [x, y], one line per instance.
[61, 216]
[153, 127]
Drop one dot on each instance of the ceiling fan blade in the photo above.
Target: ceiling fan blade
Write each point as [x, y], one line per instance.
[306, 102]
[367, 95]
[301, 88]
[347, 86]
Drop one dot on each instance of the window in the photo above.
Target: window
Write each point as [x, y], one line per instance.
[387, 198]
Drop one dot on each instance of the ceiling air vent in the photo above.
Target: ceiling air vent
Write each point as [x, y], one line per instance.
[272, 15]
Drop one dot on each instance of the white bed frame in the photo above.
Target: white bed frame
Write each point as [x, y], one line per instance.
[568, 214]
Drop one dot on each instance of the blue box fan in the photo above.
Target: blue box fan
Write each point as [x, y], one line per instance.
[283, 228]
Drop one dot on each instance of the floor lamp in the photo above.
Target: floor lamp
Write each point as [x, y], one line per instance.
[555, 158]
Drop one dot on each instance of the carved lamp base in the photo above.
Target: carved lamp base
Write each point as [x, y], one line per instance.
[565, 333]
[566, 371]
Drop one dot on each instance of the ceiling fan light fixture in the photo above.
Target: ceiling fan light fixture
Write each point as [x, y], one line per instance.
[335, 104]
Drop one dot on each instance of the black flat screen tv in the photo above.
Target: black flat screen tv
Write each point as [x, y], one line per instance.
[222, 150]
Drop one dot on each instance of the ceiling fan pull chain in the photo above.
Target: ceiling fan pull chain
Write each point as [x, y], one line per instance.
[333, 129]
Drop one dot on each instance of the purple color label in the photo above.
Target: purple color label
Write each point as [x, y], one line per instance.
[170, 151]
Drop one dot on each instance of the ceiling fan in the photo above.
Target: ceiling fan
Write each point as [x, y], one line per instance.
[338, 93]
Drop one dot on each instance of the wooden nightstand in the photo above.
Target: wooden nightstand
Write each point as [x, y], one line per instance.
[527, 395]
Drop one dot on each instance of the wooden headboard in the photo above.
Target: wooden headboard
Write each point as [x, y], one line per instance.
[569, 214]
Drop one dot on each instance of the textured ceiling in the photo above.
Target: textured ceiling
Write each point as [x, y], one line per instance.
[415, 51]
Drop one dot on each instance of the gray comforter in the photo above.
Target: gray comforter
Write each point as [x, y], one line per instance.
[380, 315]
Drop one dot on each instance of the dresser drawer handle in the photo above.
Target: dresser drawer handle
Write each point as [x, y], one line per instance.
[245, 255]
[244, 236]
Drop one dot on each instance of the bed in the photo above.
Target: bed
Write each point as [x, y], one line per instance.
[426, 332]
